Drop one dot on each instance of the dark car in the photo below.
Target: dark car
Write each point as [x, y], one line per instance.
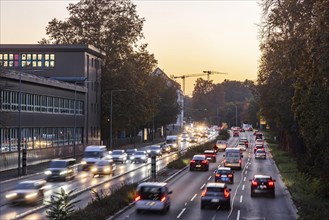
[103, 167]
[130, 153]
[216, 195]
[27, 192]
[261, 184]
[61, 169]
[210, 155]
[199, 162]
[224, 175]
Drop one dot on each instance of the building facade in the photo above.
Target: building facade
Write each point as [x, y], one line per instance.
[50, 101]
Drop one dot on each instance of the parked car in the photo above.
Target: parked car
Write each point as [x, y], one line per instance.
[27, 192]
[103, 167]
[140, 157]
[153, 196]
[61, 169]
[224, 175]
[119, 156]
[262, 184]
[199, 162]
[216, 195]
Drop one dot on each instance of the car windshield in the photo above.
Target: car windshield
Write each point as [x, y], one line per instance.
[117, 152]
[130, 151]
[172, 141]
[223, 171]
[260, 151]
[139, 153]
[102, 163]
[215, 189]
[154, 148]
[57, 164]
[92, 154]
[263, 179]
[25, 186]
[198, 158]
[233, 154]
[150, 193]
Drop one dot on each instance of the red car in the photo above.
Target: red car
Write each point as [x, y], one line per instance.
[210, 155]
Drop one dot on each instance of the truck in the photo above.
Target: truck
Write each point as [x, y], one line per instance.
[233, 158]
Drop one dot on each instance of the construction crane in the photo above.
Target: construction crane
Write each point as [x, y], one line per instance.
[208, 73]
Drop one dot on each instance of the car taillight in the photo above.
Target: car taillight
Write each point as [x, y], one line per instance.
[192, 161]
[270, 183]
[217, 174]
[230, 175]
[163, 199]
[240, 161]
[204, 193]
[254, 183]
[224, 161]
[204, 161]
[226, 193]
[137, 198]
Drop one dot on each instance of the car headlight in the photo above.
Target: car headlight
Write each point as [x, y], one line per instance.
[31, 195]
[132, 157]
[64, 172]
[143, 157]
[148, 151]
[48, 172]
[94, 169]
[11, 195]
[107, 169]
[83, 162]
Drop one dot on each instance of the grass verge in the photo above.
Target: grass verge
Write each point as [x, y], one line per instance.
[304, 189]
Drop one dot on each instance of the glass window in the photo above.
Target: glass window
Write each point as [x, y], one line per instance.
[23, 56]
[39, 56]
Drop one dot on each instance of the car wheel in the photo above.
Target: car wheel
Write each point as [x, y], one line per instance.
[228, 205]
[202, 206]
[273, 195]
[138, 211]
[191, 169]
[252, 194]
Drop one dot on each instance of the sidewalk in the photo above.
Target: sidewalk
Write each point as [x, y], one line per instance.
[32, 169]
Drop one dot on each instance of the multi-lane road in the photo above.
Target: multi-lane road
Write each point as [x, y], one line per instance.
[185, 200]
[186, 191]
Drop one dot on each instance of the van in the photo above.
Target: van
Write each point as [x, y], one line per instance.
[233, 158]
[93, 154]
[153, 196]
[172, 141]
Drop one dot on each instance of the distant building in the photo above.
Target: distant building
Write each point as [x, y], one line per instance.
[180, 99]
[50, 100]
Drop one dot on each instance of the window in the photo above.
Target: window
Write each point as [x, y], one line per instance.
[49, 60]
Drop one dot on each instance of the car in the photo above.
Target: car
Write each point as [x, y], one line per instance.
[154, 150]
[61, 169]
[199, 162]
[259, 146]
[140, 156]
[216, 195]
[153, 196]
[236, 133]
[233, 158]
[224, 175]
[92, 154]
[260, 153]
[165, 148]
[259, 141]
[242, 146]
[27, 192]
[221, 145]
[119, 156]
[103, 167]
[258, 135]
[245, 141]
[130, 153]
[210, 155]
[194, 139]
[262, 184]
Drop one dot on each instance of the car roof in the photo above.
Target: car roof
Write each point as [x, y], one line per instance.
[261, 176]
[199, 155]
[155, 184]
[209, 151]
[224, 168]
[219, 185]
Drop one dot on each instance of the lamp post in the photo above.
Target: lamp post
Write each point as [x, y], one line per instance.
[19, 124]
[111, 110]
[236, 115]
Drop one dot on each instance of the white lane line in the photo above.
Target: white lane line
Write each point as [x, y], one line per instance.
[181, 213]
[202, 186]
[209, 178]
[246, 172]
[238, 216]
[241, 198]
[193, 197]
[244, 179]
[243, 187]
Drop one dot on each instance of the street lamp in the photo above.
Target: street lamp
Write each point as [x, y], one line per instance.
[111, 109]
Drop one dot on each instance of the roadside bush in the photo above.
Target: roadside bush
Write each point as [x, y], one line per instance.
[223, 135]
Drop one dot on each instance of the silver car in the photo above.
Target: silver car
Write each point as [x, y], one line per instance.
[119, 156]
[216, 195]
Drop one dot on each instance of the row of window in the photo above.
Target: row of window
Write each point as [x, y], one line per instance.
[36, 138]
[42, 60]
[39, 103]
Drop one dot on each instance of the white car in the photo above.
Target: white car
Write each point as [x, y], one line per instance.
[260, 153]
[153, 196]
[119, 156]
[140, 156]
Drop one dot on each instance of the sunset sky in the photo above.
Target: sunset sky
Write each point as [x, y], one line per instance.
[186, 37]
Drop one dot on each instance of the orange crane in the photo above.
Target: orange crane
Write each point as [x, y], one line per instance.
[208, 73]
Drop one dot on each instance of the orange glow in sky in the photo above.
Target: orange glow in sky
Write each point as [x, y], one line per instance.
[186, 37]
